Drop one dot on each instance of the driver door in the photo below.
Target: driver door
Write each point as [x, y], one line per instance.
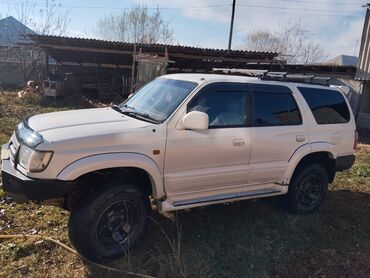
[200, 161]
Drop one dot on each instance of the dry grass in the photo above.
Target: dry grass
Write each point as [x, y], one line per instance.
[249, 239]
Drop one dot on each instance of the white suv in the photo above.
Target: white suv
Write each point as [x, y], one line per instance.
[185, 140]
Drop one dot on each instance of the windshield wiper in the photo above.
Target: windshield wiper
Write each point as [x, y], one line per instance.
[141, 115]
[131, 111]
[116, 108]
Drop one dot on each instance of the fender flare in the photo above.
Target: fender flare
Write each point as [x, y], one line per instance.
[305, 150]
[116, 160]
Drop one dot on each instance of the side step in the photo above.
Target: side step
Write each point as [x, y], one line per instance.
[225, 197]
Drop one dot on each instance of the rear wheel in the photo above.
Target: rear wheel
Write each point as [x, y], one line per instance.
[104, 225]
[308, 189]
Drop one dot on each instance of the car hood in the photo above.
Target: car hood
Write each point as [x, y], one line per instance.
[73, 124]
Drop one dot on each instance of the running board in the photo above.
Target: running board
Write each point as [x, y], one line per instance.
[225, 197]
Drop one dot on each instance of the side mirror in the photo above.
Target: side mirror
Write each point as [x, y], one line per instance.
[195, 120]
[130, 95]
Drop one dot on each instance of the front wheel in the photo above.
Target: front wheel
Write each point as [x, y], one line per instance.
[308, 189]
[103, 226]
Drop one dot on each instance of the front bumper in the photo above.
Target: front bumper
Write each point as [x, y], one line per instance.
[22, 188]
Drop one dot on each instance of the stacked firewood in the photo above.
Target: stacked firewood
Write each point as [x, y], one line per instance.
[31, 89]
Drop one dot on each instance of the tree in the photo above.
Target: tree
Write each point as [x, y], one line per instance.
[291, 42]
[137, 25]
[42, 19]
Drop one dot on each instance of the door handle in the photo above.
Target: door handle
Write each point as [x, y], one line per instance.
[300, 138]
[238, 142]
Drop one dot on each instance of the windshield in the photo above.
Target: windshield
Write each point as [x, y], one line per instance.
[158, 99]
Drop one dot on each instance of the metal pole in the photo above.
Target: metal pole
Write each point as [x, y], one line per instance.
[231, 25]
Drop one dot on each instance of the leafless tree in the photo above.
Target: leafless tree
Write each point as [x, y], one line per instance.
[43, 18]
[40, 18]
[291, 42]
[138, 25]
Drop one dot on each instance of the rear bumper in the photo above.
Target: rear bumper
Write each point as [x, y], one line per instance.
[22, 188]
[344, 162]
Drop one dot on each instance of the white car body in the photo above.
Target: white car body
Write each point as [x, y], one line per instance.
[187, 168]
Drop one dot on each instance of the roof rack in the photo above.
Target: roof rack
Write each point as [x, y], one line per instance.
[277, 76]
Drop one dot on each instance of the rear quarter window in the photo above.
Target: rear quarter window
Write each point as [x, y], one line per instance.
[274, 106]
[327, 106]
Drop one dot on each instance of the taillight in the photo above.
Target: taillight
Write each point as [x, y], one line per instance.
[355, 141]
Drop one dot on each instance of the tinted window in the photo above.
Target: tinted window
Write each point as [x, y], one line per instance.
[327, 106]
[224, 105]
[274, 106]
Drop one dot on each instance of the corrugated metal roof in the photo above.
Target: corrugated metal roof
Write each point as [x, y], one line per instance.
[363, 68]
[46, 40]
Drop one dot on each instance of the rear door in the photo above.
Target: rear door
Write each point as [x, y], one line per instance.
[278, 130]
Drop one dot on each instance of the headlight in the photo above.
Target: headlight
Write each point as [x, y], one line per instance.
[28, 136]
[32, 160]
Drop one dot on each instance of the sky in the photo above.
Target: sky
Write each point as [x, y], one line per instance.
[335, 24]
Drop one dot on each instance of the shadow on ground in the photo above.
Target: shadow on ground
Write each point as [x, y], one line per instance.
[258, 238]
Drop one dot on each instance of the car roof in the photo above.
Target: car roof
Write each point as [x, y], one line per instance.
[201, 78]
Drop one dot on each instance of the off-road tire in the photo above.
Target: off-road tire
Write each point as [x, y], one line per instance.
[90, 210]
[308, 189]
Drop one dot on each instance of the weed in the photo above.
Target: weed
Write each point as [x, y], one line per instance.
[363, 171]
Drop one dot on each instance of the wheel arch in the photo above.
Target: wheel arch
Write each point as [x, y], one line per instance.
[323, 158]
[320, 153]
[90, 164]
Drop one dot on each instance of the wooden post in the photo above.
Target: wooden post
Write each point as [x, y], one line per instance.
[166, 57]
[46, 65]
[133, 71]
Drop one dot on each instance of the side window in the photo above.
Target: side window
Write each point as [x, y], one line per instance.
[224, 104]
[327, 106]
[274, 106]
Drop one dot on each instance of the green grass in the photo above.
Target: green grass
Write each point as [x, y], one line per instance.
[255, 238]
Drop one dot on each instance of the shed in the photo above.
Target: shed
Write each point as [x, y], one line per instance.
[108, 66]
